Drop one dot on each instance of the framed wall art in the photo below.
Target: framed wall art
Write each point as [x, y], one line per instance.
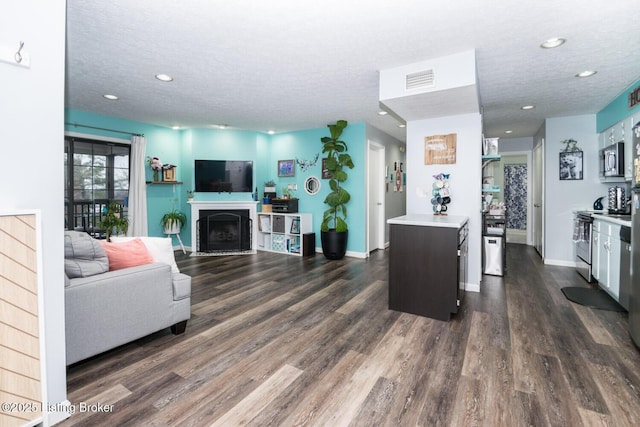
[286, 168]
[325, 171]
[570, 165]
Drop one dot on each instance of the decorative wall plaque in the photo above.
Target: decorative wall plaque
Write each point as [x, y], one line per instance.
[440, 149]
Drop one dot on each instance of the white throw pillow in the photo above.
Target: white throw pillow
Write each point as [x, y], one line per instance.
[160, 249]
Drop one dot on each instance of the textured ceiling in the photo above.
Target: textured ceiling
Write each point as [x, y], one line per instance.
[289, 64]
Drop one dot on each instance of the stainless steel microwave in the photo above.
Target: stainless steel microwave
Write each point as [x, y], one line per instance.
[612, 160]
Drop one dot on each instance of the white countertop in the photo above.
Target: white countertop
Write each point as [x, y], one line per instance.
[612, 218]
[430, 220]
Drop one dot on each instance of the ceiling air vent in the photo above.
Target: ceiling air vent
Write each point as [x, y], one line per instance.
[420, 80]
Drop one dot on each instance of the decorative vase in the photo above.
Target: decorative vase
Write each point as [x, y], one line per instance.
[156, 175]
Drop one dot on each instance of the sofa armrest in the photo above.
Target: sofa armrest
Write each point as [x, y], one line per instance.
[181, 286]
[116, 307]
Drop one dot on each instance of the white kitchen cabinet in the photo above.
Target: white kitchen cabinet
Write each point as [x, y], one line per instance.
[620, 131]
[595, 251]
[606, 256]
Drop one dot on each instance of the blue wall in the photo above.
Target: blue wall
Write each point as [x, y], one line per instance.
[617, 110]
[182, 147]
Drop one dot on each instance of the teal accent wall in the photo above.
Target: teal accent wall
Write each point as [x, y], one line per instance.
[616, 110]
[304, 145]
[182, 147]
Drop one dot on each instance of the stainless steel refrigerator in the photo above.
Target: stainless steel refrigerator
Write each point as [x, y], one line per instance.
[634, 301]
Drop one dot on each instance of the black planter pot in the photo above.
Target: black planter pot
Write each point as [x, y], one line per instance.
[334, 244]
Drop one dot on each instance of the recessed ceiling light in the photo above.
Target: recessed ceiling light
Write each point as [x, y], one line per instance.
[222, 126]
[175, 127]
[402, 125]
[587, 73]
[164, 77]
[271, 132]
[382, 113]
[527, 107]
[551, 43]
[111, 97]
[508, 131]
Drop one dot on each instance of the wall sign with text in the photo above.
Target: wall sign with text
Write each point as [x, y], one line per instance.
[440, 149]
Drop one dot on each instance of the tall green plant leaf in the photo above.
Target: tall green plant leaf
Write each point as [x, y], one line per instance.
[337, 161]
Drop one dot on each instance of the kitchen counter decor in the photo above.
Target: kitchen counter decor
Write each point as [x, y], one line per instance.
[441, 194]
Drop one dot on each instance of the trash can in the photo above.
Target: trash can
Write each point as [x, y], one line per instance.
[493, 256]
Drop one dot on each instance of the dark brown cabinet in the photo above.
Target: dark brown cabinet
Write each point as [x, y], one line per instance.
[427, 269]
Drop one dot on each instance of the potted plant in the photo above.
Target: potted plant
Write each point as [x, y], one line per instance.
[173, 221]
[113, 222]
[190, 195]
[334, 231]
[286, 193]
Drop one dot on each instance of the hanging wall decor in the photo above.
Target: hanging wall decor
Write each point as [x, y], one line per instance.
[305, 165]
[440, 149]
[286, 168]
[570, 165]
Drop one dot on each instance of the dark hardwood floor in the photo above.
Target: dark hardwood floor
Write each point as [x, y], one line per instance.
[285, 341]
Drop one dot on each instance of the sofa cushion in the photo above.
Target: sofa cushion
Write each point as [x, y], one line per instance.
[83, 255]
[160, 248]
[126, 254]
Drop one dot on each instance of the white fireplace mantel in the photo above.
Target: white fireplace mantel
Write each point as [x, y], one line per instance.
[211, 205]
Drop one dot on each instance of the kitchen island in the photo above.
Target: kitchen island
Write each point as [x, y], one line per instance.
[427, 264]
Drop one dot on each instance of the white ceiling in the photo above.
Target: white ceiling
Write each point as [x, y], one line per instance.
[290, 64]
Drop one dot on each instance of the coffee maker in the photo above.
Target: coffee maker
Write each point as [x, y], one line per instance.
[617, 199]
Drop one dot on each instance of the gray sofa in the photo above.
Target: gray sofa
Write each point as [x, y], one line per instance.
[105, 309]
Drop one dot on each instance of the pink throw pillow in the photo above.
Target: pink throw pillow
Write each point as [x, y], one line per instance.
[126, 254]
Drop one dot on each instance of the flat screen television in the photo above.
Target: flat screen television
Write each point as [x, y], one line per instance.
[224, 176]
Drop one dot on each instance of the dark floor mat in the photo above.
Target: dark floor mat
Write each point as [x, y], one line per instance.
[594, 298]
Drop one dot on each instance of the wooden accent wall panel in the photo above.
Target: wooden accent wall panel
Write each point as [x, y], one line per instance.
[19, 332]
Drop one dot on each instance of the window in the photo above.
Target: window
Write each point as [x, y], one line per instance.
[96, 174]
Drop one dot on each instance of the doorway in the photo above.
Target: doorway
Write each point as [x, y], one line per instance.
[513, 174]
[376, 197]
[516, 194]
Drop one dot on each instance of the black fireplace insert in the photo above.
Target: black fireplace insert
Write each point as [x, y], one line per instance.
[224, 231]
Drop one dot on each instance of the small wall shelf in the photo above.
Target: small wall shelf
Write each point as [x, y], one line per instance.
[164, 182]
[490, 158]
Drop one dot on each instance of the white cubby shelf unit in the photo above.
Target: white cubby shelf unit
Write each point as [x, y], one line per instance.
[282, 232]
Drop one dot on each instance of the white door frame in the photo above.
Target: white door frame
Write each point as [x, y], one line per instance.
[375, 191]
[538, 185]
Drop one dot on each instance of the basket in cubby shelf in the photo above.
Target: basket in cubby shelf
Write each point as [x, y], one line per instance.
[282, 233]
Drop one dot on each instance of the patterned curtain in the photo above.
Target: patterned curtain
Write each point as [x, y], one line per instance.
[515, 196]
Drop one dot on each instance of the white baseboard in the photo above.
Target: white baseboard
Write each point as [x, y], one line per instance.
[472, 287]
[559, 262]
[63, 411]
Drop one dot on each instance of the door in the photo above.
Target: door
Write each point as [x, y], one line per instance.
[538, 174]
[376, 217]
